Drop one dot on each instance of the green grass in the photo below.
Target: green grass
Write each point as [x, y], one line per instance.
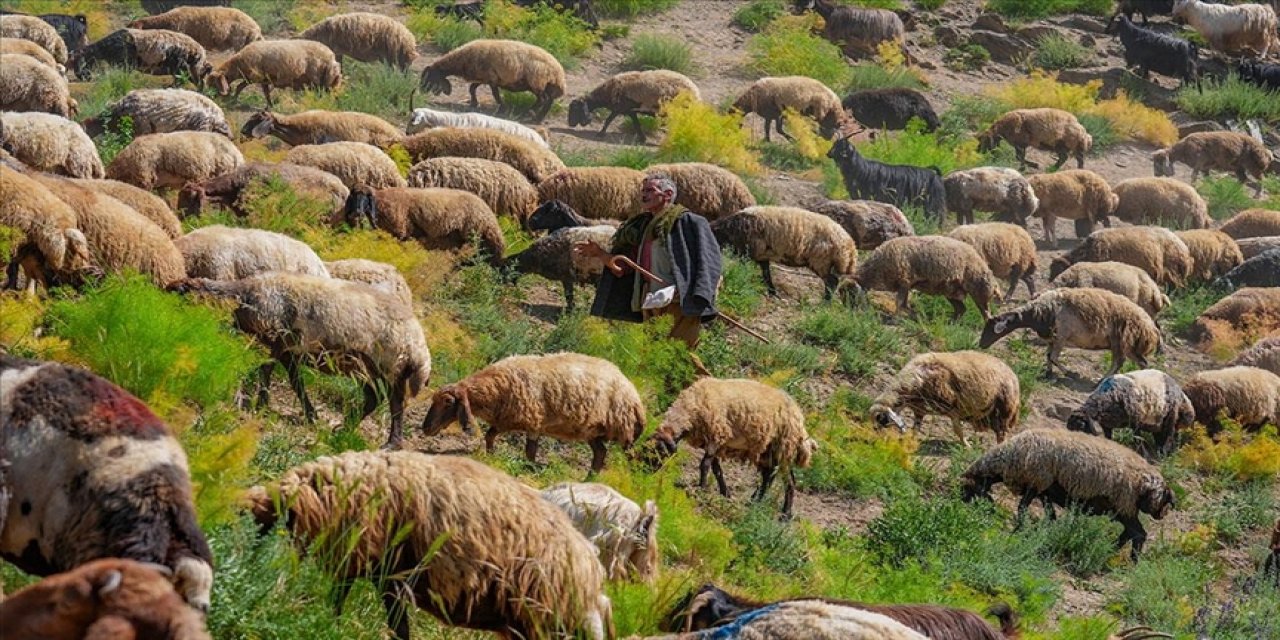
[858, 338]
[1225, 196]
[757, 14]
[1230, 98]
[869, 75]
[967, 57]
[631, 8]
[788, 48]
[1057, 51]
[563, 35]
[659, 52]
[1033, 9]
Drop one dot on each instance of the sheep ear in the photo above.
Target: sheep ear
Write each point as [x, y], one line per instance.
[111, 583]
[465, 418]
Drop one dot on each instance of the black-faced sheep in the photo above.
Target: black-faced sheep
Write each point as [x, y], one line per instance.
[1116, 277]
[1051, 130]
[171, 160]
[320, 127]
[1002, 191]
[900, 185]
[1007, 248]
[500, 64]
[1252, 223]
[237, 189]
[964, 386]
[291, 64]
[598, 193]
[1235, 153]
[354, 163]
[437, 218]
[500, 185]
[1153, 51]
[625, 533]
[368, 37]
[770, 97]
[422, 118]
[552, 256]
[1234, 30]
[158, 52]
[52, 249]
[216, 28]
[1165, 258]
[534, 161]
[46, 142]
[1213, 253]
[706, 189]
[1156, 200]
[1147, 401]
[890, 108]
[936, 265]
[793, 237]
[161, 111]
[1248, 396]
[631, 93]
[26, 84]
[1264, 354]
[1262, 270]
[858, 31]
[868, 222]
[229, 253]
[1237, 319]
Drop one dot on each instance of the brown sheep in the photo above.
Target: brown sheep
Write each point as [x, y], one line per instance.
[1228, 151]
[368, 37]
[1048, 129]
[1213, 253]
[437, 218]
[1252, 223]
[1079, 195]
[1007, 248]
[1155, 250]
[1237, 319]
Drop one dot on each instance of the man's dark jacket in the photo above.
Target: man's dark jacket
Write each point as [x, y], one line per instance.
[695, 257]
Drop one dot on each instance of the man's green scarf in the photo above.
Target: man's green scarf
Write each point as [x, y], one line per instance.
[633, 232]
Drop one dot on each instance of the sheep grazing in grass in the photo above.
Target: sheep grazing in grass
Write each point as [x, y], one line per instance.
[1155, 250]
[1233, 321]
[1235, 153]
[967, 386]
[320, 127]
[35, 30]
[354, 163]
[803, 620]
[740, 420]
[1152, 200]
[1252, 223]
[769, 98]
[422, 118]
[446, 219]
[156, 52]
[1116, 277]
[161, 111]
[891, 108]
[28, 85]
[1002, 191]
[73, 438]
[935, 265]
[47, 142]
[31, 50]
[792, 237]
[151, 206]
[1248, 396]
[625, 533]
[1065, 467]
[1079, 195]
[868, 222]
[289, 64]
[1147, 401]
[1007, 248]
[1213, 253]
[1154, 51]
[858, 31]
[216, 28]
[368, 37]
[1234, 30]
[1081, 318]
[52, 250]
[228, 253]
[1051, 130]
[468, 544]
[900, 185]
[706, 189]
[500, 64]
[631, 93]
[552, 256]
[567, 396]
[1265, 354]
[171, 160]
[240, 190]
[534, 161]
[601, 193]
[500, 185]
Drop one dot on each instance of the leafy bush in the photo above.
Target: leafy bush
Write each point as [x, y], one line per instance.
[659, 52]
[919, 148]
[696, 132]
[1232, 454]
[1230, 98]
[1164, 590]
[787, 47]
[1225, 196]
[859, 462]
[757, 14]
[915, 529]
[1081, 542]
[631, 8]
[1135, 121]
[868, 75]
[219, 446]
[859, 338]
[116, 136]
[1057, 51]
[1032, 9]
[1128, 120]
[445, 33]
[108, 86]
[967, 57]
[766, 543]
[1239, 509]
[563, 35]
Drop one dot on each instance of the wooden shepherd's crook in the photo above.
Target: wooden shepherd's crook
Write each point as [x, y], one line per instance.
[733, 322]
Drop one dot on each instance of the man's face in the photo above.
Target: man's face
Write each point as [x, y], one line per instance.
[652, 197]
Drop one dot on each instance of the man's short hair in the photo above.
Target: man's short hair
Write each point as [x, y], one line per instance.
[663, 182]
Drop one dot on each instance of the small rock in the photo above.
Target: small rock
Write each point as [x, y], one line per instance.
[926, 65]
[991, 22]
[947, 36]
[1036, 32]
[1003, 48]
[1060, 411]
[1088, 41]
[1120, 163]
[1085, 23]
[1198, 127]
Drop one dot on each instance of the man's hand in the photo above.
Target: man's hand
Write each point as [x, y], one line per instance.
[591, 250]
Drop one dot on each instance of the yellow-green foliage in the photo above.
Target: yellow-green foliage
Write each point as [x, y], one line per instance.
[563, 35]
[1130, 120]
[788, 47]
[263, 150]
[10, 238]
[696, 132]
[423, 270]
[920, 148]
[219, 443]
[272, 204]
[1234, 453]
[808, 142]
[20, 318]
[401, 156]
[1135, 121]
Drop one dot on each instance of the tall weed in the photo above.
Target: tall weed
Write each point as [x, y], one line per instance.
[696, 132]
[787, 47]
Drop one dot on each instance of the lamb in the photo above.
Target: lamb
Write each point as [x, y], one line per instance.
[32, 50]
[1062, 467]
[292, 64]
[28, 85]
[1261, 74]
[1155, 250]
[47, 142]
[868, 222]
[631, 93]
[35, 30]
[609, 193]
[73, 29]
[215, 28]
[157, 52]
[321, 127]
[1116, 277]
[1007, 248]
[52, 250]
[793, 237]
[437, 218]
[1154, 51]
[170, 160]
[161, 111]
[552, 256]
[1234, 30]
[1002, 191]
[625, 534]
[1228, 151]
[1047, 129]
[1250, 247]
[1147, 401]
[501, 64]
[967, 386]
[1213, 253]
[1237, 319]
[804, 620]
[568, 396]
[353, 163]
[891, 108]
[335, 325]
[151, 206]
[706, 189]
[741, 420]
[1153, 200]
[504, 189]
[1147, 8]
[227, 253]
[770, 97]
[935, 265]
[73, 438]
[237, 189]
[1252, 223]
[421, 119]
[1265, 354]
[367, 37]
[379, 275]
[1081, 318]
[858, 31]
[109, 598]
[898, 185]
[1262, 270]
[1249, 396]
[468, 544]
[534, 161]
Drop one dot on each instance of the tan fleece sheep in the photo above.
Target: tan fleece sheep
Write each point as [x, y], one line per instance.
[469, 544]
[792, 237]
[354, 163]
[291, 64]
[770, 97]
[215, 28]
[47, 142]
[1236, 320]
[162, 111]
[1248, 396]
[241, 189]
[964, 386]
[1156, 200]
[151, 206]
[1265, 354]
[29, 48]
[706, 189]
[501, 186]
[320, 127]
[228, 253]
[1252, 223]
[535, 162]
[500, 64]
[170, 160]
[1228, 151]
[446, 219]
[870, 223]
[740, 420]
[1000, 190]
[1116, 277]
[1047, 129]
[367, 37]
[1213, 253]
[1007, 248]
[567, 396]
[34, 29]
[598, 193]
[936, 265]
[1235, 30]
[631, 93]
[379, 275]
[28, 85]
[52, 246]
[1250, 247]
[625, 534]
[1079, 195]
[1147, 401]
[1155, 250]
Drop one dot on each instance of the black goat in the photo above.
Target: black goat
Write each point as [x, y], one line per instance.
[1262, 74]
[1147, 8]
[1151, 51]
[890, 108]
[898, 185]
[74, 30]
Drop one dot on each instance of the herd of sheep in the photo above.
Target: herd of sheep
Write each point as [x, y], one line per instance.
[95, 488]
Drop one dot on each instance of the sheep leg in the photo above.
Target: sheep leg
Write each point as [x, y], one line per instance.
[635, 121]
[767, 273]
[778, 124]
[608, 120]
[266, 93]
[958, 429]
[1051, 358]
[240, 87]
[531, 449]
[704, 467]
[1061, 159]
[789, 496]
[396, 436]
[598, 453]
[719, 473]
[1050, 236]
[264, 384]
[1133, 532]
[957, 308]
[11, 275]
[829, 285]
[568, 294]
[490, 438]
[1028, 497]
[902, 302]
[474, 100]
[1117, 357]
[370, 400]
[1195, 173]
[397, 617]
[497, 95]
[1015, 274]
[767, 123]
[295, 380]
[767, 473]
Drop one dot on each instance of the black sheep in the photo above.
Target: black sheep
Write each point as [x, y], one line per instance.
[900, 185]
[121, 49]
[74, 30]
[1151, 51]
[1147, 8]
[1262, 74]
[891, 108]
[1262, 270]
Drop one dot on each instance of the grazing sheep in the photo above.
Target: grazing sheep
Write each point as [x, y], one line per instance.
[1260, 74]
[1228, 151]
[28, 85]
[1147, 401]
[1248, 396]
[216, 28]
[631, 93]
[740, 420]
[335, 325]
[868, 222]
[227, 253]
[1001, 191]
[73, 29]
[770, 97]
[501, 64]
[534, 161]
[1116, 277]
[1147, 8]
[437, 218]
[1007, 248]
[1155, 200]
[1237, 319]
[804, 620]
[858, 31]
[32, 50]
[890, 108]
[238, 189]
[367, 37]
[73, 438]
[1250, 247]
[47, 142]
[1234, 30]
[793, 237]
[1252, 223]
[609, 193]
[936, 265]
[321, 127]
[504, 189]
[354, 163]
[1065, 467]
[170, 160]
[1213, 253]
[151, 206]
[1047, 129]
[1081, 318]
[158, 52]
[964, 386]
[51, 250]
[625, 534]
[567, 396]
[464, 542]
[899, 185]
[109, 598]
[706, 189]
[552, 256]
[34, 29]
[292, 64]
[421, 119]
[1262, 270]
[1154, 51]
[1264, 354]
[161, 111]
[1156, 250]
[379, 275]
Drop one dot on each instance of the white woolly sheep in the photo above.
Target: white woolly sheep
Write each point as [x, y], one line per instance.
[1147, 401]
[1156, 200]
[241, 188]
[935, 265]
[354, 163]
[999, 190]
[33, 50]
[1116, 277]
[35, 30]
[567, 396]
[1237, 319]
[598, 193]
[805, 620]
[228, 253]
[1250, 247]
[367, 37]
[1079, 195]
[379, 275]
[1264, 354]
[625, 534]
[321, 127]
[291, 64]
[868, 222]
[170, 160]
[1156, 250]
[859, 31]
[792, 237]
[73, 438]
[964, 386]
[552, 256]
[1249, 396]
[500, 64]
[631, 93]
[28, 85]
[1245, 28]
[161, 111]
[52, 250]
[1228, 151]
[47, 142]
[151, 206]
[534, 161]
[706, 189]
[422, 118]
[1252, 223]
[1213, 253]
[482, 550]
[1048, 129]
[770, 97]
[446, 219]
[500, 185]
[1065, 467]
[216, 28]
[1007, 248]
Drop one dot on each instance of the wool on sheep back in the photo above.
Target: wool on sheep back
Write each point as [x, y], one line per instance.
[790, 236]
[1232, 322]
[968, 386]
[368, 37]
[501, 186]
[708, 190]
[1252, 223]
[46, 142]
[934, 265]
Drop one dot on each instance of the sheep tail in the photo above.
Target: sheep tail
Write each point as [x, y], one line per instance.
[1008, 619]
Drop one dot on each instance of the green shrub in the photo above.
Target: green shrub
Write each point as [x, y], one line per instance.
[696, 132]
[1032, 9]
[870, 75]
[859, 339]
[1225, 196]
[1057, 51]
[116, 136]
[920, 148]
[1231, 98]
[757, 14]
[788, 48]
[917, 529]
[1240, 509]
[930, 5]
[967, 57]
[271, 15]
[563, 35]
[659, 52]
[631, 8]
[859, 462]
[1164, 590]
[1081, 543]
[970, 114]
[1186, 305]
[766, 543]
[109, 85]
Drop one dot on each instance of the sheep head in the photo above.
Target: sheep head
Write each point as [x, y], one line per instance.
[193, 579]
[988, 141]
[842, 150]
[450, 404]
[1156, 498]
[1162, 164]
[362, 205]
[998, 327]
[1059, 264]
[219, 80]
[259, 125]
[436, 81]
[702, 609]
[579, 113]
[884, 415]
[554, 214]
[191, 199]
[973, 487]
[1084, 424]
